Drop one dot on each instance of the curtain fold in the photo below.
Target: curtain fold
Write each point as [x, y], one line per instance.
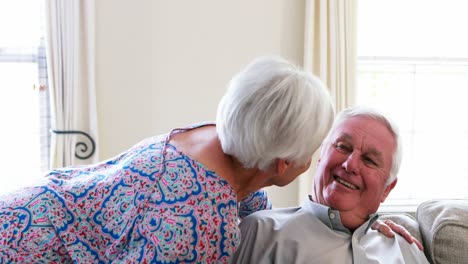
[71, 71]
[330, 53]
[330, 46]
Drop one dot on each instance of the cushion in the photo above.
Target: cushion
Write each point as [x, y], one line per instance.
[444, 229]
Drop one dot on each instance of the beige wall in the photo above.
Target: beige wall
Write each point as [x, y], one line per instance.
[163, 64]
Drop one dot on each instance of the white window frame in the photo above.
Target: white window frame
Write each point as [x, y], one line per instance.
[409, 205]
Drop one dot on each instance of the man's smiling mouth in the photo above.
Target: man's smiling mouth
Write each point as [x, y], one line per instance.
[345, 183]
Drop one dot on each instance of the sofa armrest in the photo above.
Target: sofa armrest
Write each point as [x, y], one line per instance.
[444, 229]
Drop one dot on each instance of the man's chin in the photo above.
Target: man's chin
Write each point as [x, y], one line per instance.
[340, 202]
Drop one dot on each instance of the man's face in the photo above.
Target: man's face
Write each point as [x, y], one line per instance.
[354, 166]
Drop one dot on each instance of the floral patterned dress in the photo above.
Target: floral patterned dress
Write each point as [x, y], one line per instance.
[150, 204]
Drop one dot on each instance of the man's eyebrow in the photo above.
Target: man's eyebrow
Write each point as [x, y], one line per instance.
[345, 136]
[371, 151]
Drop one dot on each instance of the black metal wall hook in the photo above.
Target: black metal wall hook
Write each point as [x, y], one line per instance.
[80, 145]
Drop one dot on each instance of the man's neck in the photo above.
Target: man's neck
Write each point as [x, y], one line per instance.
[349, 219]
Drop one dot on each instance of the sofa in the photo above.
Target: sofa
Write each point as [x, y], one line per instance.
[441, 226]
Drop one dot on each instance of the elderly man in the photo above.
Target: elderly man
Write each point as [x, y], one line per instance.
[357, 169]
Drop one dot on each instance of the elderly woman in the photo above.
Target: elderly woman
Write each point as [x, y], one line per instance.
[174, 198]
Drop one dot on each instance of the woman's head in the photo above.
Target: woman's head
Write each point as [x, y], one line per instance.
[272, 109]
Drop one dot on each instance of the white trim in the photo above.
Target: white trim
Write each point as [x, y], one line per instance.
[400, 206]
[413, 60]
[9, 57]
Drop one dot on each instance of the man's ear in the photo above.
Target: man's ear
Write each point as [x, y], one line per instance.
[388, 189]
[281, 166]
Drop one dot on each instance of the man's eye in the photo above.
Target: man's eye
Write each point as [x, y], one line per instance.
[342, 147]
[370, 161]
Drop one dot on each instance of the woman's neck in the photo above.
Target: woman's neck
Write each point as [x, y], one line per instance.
[244, 180]
[203, 145]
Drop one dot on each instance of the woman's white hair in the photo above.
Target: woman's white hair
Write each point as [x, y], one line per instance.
[374, 114]
[272, 109]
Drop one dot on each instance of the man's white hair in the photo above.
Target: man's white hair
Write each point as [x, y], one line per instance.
[272, 109]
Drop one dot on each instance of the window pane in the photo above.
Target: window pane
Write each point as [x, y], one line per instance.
[20, 23]
[21, 30]
[19, 157]
[428, 103]
[413, 64]
[415, 28]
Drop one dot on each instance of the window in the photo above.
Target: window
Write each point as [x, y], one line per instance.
[413, 64]
[24, 108]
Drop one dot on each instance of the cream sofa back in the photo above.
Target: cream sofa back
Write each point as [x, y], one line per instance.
[444, 230]
[442, 227]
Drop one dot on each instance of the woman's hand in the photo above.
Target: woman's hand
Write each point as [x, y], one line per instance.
[385, 227]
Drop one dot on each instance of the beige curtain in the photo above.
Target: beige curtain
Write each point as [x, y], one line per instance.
[71, 70]
[330, 53]
[330, 46]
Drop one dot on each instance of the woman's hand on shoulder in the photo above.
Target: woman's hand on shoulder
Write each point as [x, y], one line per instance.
[387, 227]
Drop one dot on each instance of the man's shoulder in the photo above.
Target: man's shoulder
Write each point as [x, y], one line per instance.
[278, 217]
[274, 213]
[410, 252]
[377, 245]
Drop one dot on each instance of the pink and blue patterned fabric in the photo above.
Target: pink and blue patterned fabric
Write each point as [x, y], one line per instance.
[150, 204]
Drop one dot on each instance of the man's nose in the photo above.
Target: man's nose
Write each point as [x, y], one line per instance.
[351, 164]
